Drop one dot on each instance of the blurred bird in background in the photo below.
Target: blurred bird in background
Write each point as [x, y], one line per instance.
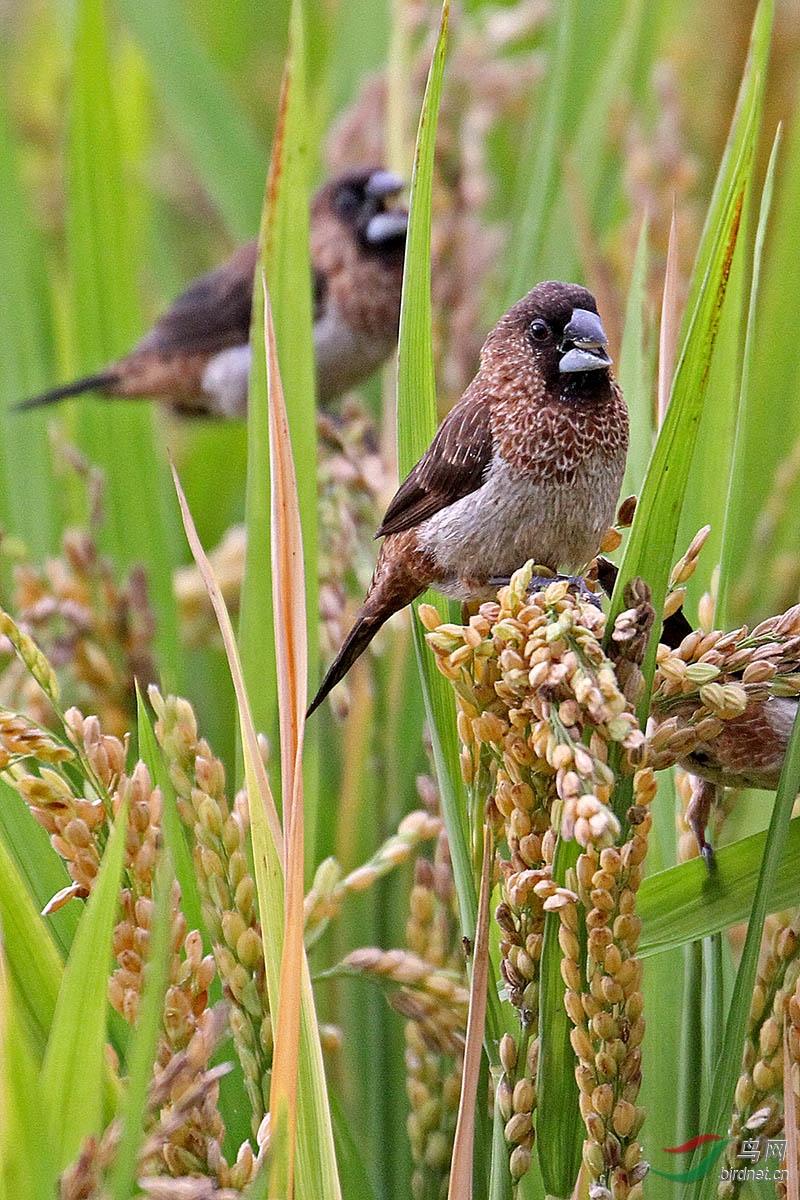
[196, 358]
[723, 708]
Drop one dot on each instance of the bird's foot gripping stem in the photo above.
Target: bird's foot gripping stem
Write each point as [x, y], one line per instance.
[698, 812]
[538, 583]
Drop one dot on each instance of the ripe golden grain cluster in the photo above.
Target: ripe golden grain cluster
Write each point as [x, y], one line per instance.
[540, 707]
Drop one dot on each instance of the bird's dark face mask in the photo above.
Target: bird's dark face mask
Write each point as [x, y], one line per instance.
[368, 205]
[568, 346]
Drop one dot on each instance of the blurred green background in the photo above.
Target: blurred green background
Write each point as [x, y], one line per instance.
[135, 142]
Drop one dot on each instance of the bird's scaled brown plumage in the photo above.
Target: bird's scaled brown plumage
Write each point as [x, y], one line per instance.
[733, 728]
[197, 357]
[528, 464]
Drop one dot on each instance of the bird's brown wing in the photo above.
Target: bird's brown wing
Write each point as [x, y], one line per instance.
[212, 314]
[452, 467]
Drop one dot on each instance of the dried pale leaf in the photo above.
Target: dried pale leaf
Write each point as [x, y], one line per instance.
[460, 1187]
[229, 641]
[289, 609]
[288, 576]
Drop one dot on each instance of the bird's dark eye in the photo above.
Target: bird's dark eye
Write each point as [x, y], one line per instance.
[539, 330]
[348, 201]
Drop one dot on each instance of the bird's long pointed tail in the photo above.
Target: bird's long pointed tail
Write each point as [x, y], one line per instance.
[401, 574]
[353, 646]
[89, 383]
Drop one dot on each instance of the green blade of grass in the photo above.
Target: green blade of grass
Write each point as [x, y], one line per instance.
[416, 383]
[43, 872]
[316, 1159]
[75, 1064]
[651, 542]
[28, 502]
[32, 961]
[291, 654]
[732, 533]
[684, 903]
[539, 188]
[634, 372]
[705, 503]
[27, 1166]
[764, 542]
[559, 1127]
[140, 515]
[416, 425]
[595, 158]
[720, 1104]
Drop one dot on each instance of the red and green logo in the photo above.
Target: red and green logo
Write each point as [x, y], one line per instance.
[700, 1168]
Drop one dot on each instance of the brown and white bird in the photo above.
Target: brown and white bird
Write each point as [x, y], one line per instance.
[723, 708]
[197, 355]
[528, 464]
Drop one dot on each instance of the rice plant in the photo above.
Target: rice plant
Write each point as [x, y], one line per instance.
[453, 937]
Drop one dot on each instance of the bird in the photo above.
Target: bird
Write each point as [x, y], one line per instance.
[197, 355]
[528, 464]
[723, 708]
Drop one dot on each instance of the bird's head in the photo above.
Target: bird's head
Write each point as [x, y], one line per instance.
[556, 332]
[367, 201]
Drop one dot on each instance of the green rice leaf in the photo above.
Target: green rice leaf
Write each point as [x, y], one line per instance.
[74, 1067]
[141, 517]
[28, 500]
[685, 902]
[559, 1128]
[416, 425]
[651, 542]
[729, 1063]
[27, 1166]
[32, 963]
[749, 409]
[316, 1161]
[539, 188]
[285, 261]
[37, 864]
[635, 374]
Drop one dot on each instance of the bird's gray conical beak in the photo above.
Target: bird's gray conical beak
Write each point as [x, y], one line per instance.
[384, 183]
[387, 223]
[583, 346]
[385, 226]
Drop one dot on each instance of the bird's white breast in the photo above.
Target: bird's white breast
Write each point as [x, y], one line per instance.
[344, 356]
[513, 517]
[225, 381]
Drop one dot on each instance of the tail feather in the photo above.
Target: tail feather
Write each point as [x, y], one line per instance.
[354, 645]
[89, 383]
